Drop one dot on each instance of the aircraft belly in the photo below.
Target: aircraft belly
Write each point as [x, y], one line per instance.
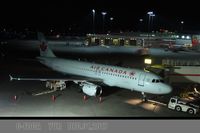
[118, 82]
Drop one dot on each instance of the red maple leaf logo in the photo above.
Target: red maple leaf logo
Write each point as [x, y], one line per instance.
[43, 46]
[132, 73]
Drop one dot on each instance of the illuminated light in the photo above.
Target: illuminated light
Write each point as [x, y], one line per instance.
[141, 20]
[102, 42]
[177, 36]
[150, 13]
[187, 37]
[182, 22]
[111, 18]
[57, 36]
[93, 39]
[182, 37]
[147, 61]
[126, 42]
[93, 10]
[115, 41]
[103, 13]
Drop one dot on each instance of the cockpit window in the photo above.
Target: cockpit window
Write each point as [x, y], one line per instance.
[161, 80]
[157, 81]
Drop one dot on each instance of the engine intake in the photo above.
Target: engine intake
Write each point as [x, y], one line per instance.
[92, 90]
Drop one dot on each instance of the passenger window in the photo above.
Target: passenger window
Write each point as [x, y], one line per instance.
[153, 80]
[157, 80]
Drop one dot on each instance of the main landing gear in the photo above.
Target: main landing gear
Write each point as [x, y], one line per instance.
[144, 97]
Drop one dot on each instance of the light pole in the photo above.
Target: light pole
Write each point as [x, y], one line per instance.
[141, 21]
[149, 13]
[152, 26]
[182, 22]
[103, 13]
[111, 22]
[93, 18]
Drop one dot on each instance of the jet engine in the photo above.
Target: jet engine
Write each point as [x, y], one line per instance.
[92, 90]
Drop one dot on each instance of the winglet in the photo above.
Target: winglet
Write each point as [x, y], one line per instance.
[11, 78]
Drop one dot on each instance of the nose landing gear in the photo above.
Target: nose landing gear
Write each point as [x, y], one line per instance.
[144, 97]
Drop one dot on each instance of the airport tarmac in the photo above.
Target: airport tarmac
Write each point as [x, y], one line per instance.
[69, 103]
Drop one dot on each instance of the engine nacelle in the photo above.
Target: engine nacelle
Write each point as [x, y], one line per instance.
[92, 90]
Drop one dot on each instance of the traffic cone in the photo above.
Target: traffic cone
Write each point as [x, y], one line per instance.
[100, 99]
[84, 97]
[53, 98]
[15, 97]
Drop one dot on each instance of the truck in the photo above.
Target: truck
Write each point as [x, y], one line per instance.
[56, 85]
[52, 87]
[181, 105]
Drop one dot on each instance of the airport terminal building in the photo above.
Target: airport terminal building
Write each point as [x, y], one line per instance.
[141, 39]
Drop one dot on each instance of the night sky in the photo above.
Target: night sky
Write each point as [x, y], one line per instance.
[76, 15]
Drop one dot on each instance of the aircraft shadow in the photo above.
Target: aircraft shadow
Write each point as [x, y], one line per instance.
[107, 91]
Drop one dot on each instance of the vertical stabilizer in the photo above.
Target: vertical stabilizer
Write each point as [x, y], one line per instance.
[45, 51]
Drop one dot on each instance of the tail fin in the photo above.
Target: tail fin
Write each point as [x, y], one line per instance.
[45, 51]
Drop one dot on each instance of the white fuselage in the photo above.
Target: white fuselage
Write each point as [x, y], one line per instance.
[132, 79]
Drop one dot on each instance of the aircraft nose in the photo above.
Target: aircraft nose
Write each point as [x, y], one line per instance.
[167, 89]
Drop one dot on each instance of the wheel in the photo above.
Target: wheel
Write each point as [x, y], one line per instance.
[190, 111]
[178, 108]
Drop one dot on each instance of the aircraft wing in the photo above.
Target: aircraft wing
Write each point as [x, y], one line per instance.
[74, 79]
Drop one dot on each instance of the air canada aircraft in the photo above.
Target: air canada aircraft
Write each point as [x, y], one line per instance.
[90, 74]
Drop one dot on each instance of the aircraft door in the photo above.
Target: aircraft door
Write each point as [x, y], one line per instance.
[141, 79]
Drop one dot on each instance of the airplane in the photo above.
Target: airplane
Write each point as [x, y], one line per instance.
[176, 47]
[89, 74]
[182, 44]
